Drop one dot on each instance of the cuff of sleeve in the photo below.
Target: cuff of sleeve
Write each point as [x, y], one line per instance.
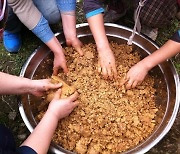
[176, 36]
[95, 12]
[66, 5]
[43, 31]
[26, 150]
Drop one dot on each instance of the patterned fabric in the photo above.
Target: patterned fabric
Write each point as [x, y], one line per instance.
[91, 5]
[43, 31]
[66, 5]
[157, 13]
[95, 12]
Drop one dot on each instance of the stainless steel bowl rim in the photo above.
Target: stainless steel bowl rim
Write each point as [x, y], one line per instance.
[176, 78]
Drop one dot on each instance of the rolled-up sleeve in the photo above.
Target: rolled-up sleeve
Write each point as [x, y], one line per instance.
[92, 7]
[66, 5]
[176, 36]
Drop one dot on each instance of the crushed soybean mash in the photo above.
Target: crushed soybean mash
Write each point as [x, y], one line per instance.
[109, 118]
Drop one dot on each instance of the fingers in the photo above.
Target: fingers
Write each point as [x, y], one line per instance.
[129, 84]
[57, 94]
[78, 48]
[73, 97]
[56, 69]
[65, 69]
[104, 73]
[110, 72]
[124, 81]
[99, 68]
[51, 85]
[77, 44]
[135, 83]
[74, 104]
[114, 72]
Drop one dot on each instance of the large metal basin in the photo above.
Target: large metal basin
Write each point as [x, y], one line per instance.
[168, 93]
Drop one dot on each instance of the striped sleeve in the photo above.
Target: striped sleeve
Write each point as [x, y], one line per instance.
[92, 7]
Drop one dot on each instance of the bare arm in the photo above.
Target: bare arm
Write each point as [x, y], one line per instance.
[59, 58]
[106, 57]
[69, 28]
[138, 72]
[41, 137]
[11, 84]
[168, 50]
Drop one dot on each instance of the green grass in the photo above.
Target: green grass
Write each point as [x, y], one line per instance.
[12, 63]
[166, 33]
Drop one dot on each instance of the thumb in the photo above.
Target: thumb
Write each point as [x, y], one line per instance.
[65, 69]
[124, 80]
[54, 86]
[74, 96]
[57, 95]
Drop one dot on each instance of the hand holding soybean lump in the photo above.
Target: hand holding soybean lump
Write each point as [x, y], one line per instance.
[66, 90]
[109, 118]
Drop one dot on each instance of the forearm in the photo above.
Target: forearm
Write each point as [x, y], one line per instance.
[69, 25]
[55, 46]
[41, 137]
[14, 85]
[97, 28]
[168, 50]
[67, 9]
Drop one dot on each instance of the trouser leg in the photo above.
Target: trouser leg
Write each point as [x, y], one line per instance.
[49, 10]
[13, 23]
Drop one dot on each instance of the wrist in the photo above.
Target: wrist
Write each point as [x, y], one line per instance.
[59, 52]
[103, 48]
[52, 116]
[29, 86]
[147, 64]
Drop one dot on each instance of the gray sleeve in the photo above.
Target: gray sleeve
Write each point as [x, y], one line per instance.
[26, 11]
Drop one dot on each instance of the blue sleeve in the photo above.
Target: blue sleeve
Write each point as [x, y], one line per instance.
[92, 7]
[25, 150]
[43, 31]
[66, 5]
[176, 36]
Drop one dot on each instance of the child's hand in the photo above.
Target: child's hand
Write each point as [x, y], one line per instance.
[38, 87]
[135, 76]
[106, 64]
[61, 108]
[76, 43]
[59, 61]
